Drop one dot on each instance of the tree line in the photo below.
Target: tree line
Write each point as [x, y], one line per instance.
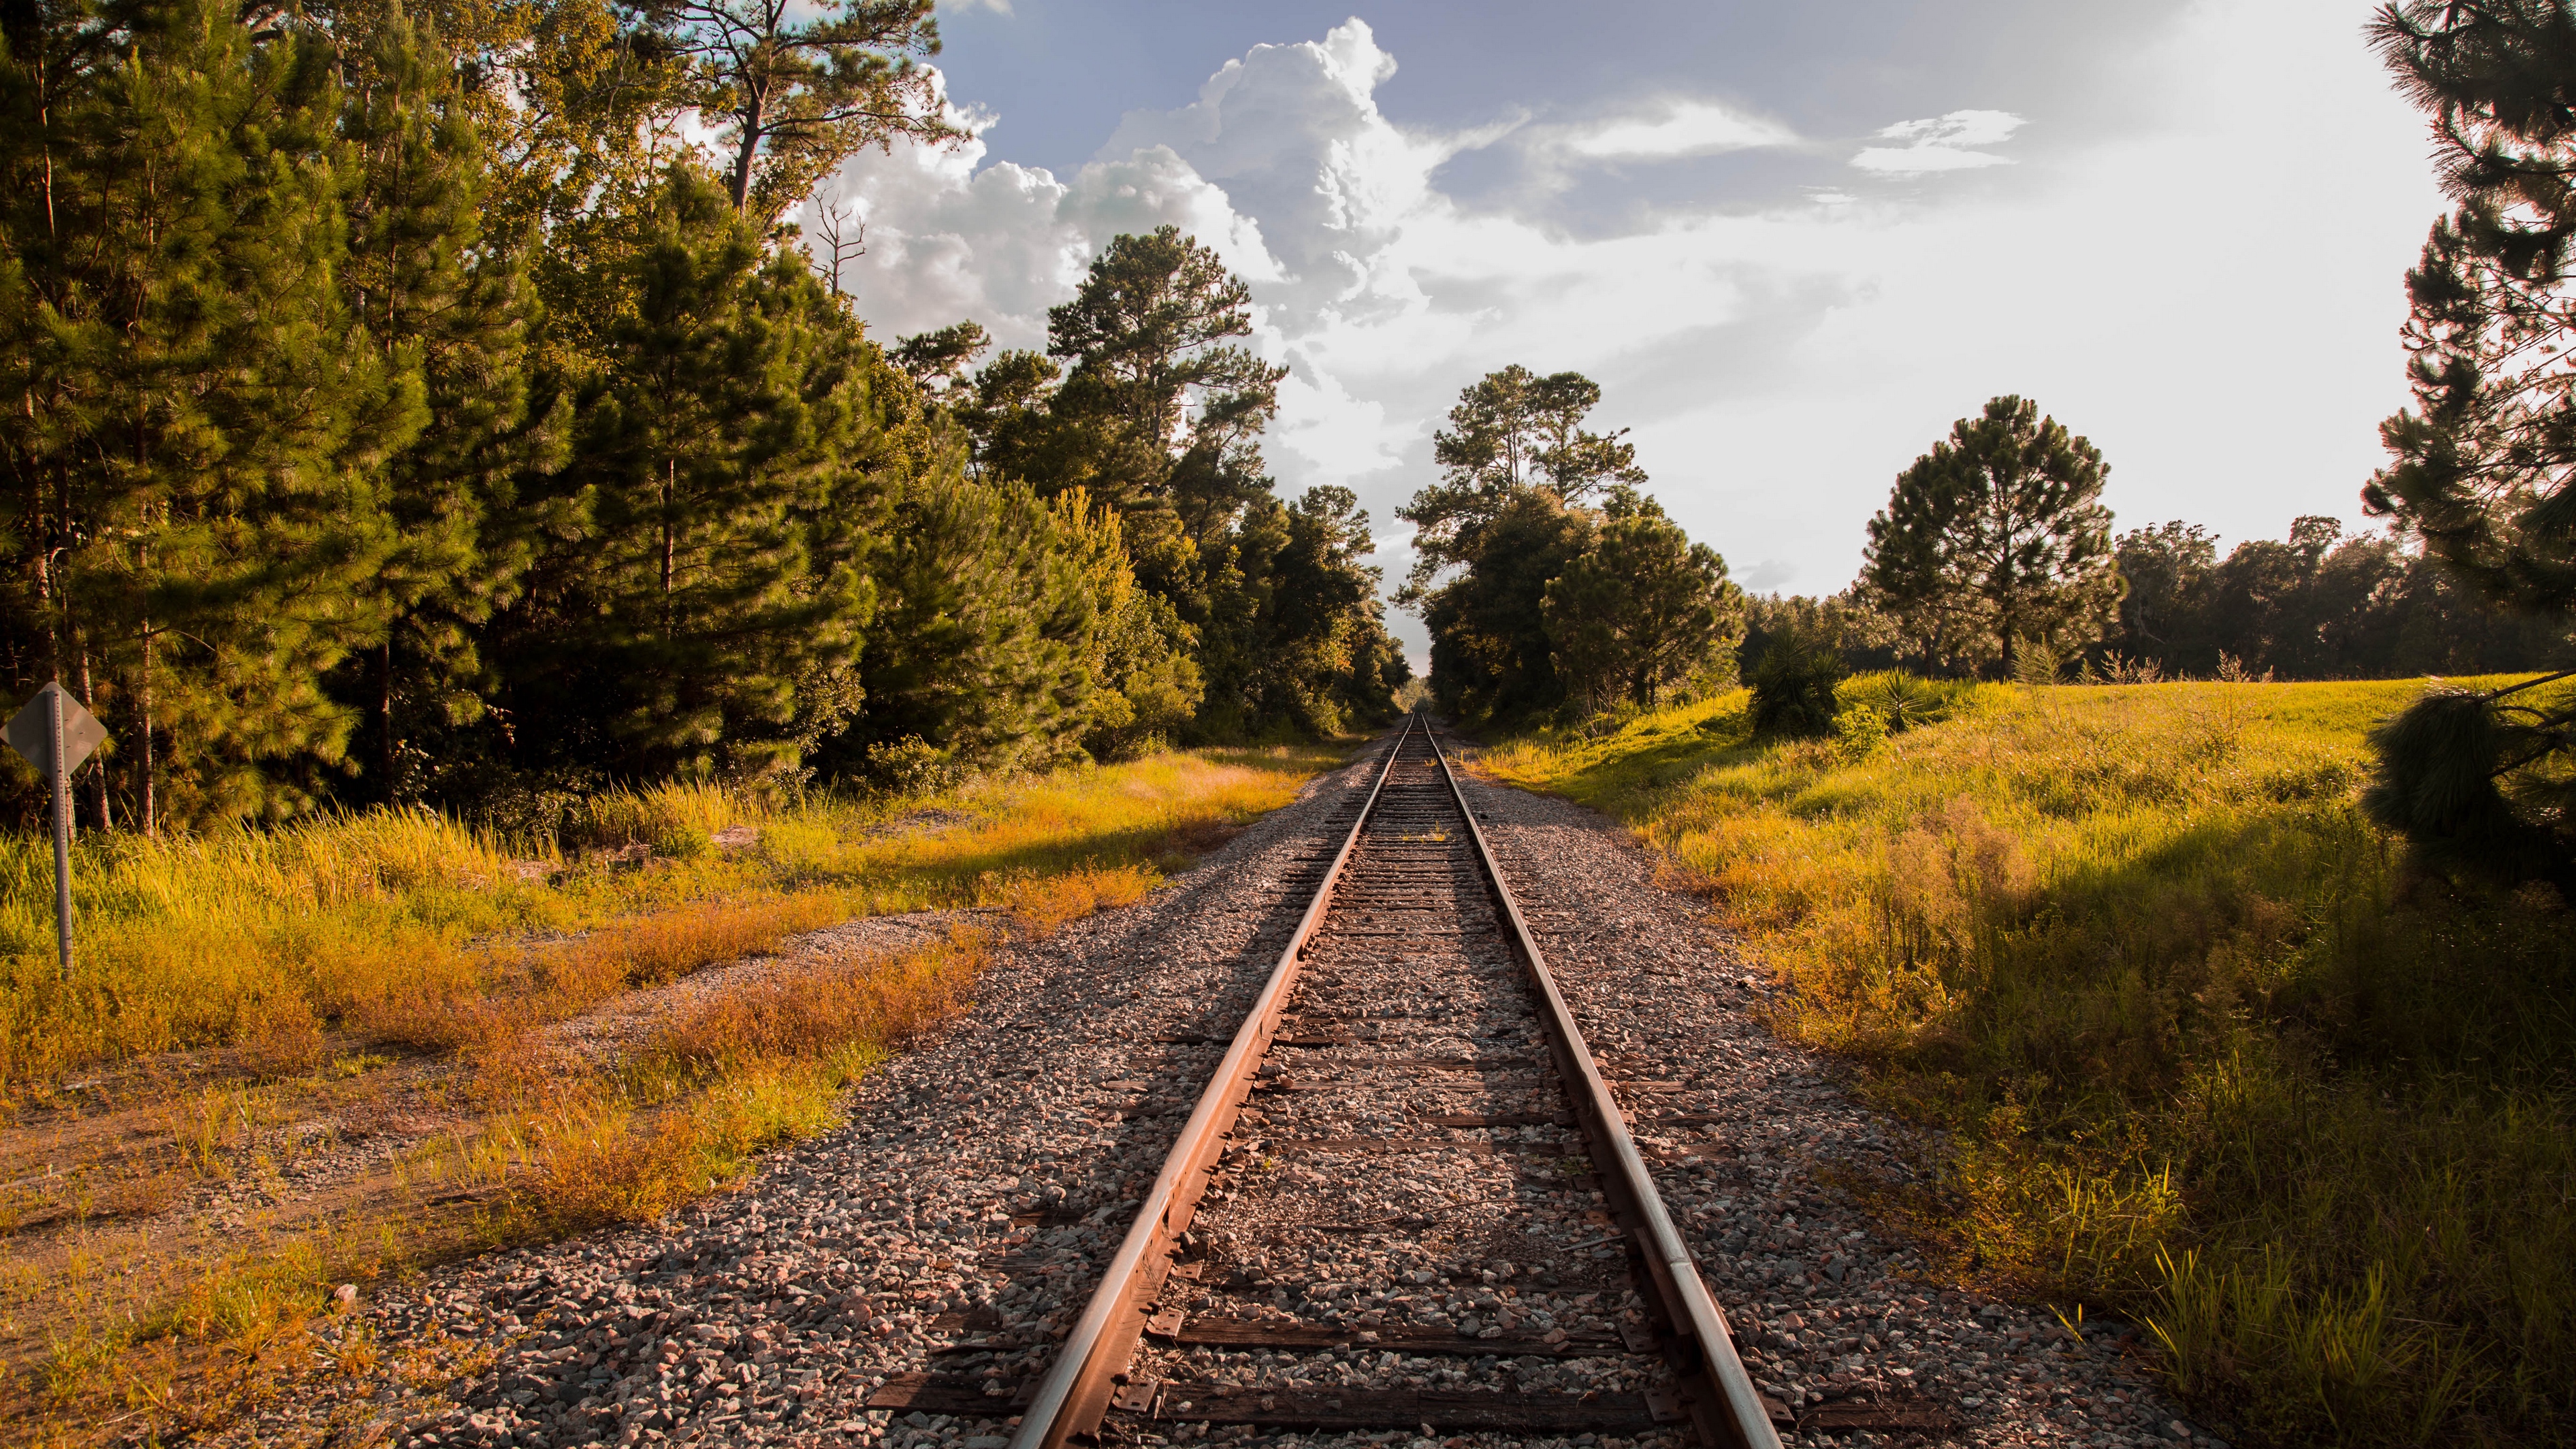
[402, 406]
[1554, 589]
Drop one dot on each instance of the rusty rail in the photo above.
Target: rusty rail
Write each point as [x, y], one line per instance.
[1717, 1393]
[1076, 1390]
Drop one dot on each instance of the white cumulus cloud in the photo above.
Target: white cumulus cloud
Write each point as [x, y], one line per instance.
[1001, 244]
[1941, 143]
[1779, 363]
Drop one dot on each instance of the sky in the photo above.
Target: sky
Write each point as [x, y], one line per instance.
[1793, 243]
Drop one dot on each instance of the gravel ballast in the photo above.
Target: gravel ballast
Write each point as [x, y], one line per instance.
[982, 1176]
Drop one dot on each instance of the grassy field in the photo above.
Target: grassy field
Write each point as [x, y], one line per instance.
[2202, 1047]
[408, 928]
[251, 1009]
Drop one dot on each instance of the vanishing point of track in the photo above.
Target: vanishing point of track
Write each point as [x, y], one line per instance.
[1412, 879]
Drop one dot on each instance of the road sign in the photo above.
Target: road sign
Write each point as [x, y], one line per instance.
[28, 728]
[56, 735]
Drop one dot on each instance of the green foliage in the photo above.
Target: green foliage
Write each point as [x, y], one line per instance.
[2483, 460]
[1996, 536]
[678, 514]
[1491, 657]
[1640, 609]
[799, 90]
[711, 532]
[195, 454]
[2319, 605]
[2481, 463]
[2480, 784]
[942, 355]
[1534, 596]
[435, 296]
[1512, 431]
[1298, 638]
[1859, 730]
[1866, 638]
[1158, 412]
[988, 642]
[1905, 701]
[1157, 415]
[1793, 685]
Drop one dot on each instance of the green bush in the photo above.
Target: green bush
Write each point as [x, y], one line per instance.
[1793, 685]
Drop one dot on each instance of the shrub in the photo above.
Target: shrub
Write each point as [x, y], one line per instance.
[1793, 685]
[1859, 730]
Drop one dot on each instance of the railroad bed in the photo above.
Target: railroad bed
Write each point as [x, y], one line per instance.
[1409, 1104]
[936, 1253]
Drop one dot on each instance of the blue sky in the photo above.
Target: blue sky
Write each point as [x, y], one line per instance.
[1792, 242]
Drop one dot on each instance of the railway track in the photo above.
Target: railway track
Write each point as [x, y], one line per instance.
[1407, 1198]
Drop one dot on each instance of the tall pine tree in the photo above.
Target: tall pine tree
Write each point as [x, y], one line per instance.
[708, 547]
[1512, 431]
[1641, 609]
[2483, 467]
[1994, 540]
[196, 464]
[444, 299]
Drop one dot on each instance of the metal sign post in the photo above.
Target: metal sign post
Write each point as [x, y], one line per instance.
[56, 735]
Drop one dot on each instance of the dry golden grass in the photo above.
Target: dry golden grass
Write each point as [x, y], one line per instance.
[404, 927]
[1043, 904]
[752, 1066]
[236, 989]
[2204, 1048]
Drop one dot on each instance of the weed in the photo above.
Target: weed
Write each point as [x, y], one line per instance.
[1044, 903]
[745, 1069]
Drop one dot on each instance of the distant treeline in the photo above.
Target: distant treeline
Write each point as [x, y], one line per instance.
[1556, 591]
[2322, 604]
[399, 411]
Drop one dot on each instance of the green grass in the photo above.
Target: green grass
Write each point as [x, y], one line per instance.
[409, 927]
[2208, 1050]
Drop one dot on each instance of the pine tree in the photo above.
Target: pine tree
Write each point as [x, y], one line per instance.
[1158, 414]
[2482, 463]
[1299, 640]
[1505, 520]
[986, 646]
[1641, 609]
[801, 88]
[1491, 657]
[1143, 653]
[442, 300]
[1511, 431]
[708, 545]
[2165, 573]
[942, 356]
[196, 467]
[1994, 539]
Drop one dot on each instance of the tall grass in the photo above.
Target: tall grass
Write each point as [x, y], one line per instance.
[2201, 1044]
[735, 1073]
[405, 926]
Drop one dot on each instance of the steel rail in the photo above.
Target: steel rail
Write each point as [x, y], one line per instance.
[1716, 1391]
[1075, 1394]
